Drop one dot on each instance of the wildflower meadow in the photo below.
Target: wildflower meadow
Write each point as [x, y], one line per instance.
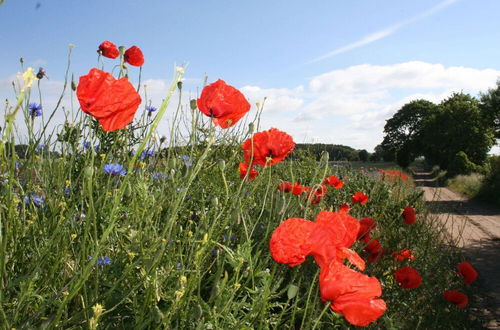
[107, 222]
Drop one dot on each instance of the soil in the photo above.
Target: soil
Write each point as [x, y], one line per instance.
[474, 228]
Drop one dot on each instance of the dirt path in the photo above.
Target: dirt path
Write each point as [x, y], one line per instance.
[475, 229]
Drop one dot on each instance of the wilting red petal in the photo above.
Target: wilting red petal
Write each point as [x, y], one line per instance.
[333, 231]
[409, 215]
[359, 197]
[108, 49]
[352, 256]
[223, 103]
[373, 246]
[290, 241]
[334, 182]
[285, 186]
[134, 56]
[112, 102]
[456, 297]
[244, 169]
[408, 277]
[352, 294]
[467, 271]
[268, 147]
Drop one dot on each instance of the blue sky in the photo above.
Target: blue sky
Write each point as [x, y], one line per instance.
[333, 71]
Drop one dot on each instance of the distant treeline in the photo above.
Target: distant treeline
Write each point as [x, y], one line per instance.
[335, 151]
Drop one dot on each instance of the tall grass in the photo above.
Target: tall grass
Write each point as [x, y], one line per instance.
[180, 241]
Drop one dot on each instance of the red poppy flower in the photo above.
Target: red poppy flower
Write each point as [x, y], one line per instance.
[290, 241]
[298, 189]
[333, 231]
[108, 49]
[360, 198]
[467, 271]
[365, 227]
[285, 186]
[408, 277]
[334, 182]
[344, 208]
[403, 254]
[373, 246]
[244, 169]
[223, 103]
[409, 215]
[456, 297]
[352, 294]
[268, 147]
[134, 56]
[316, 195]
[112, 102]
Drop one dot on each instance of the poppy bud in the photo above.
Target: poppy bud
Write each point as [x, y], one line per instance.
[292, 291]
[73, 83]
[163, 139]
[89, 172]
[325, 156]
[193, 104]
[122, 50]
[179, 85]
[251, 128]
[222, 164]
[21, 60]
[215, 201]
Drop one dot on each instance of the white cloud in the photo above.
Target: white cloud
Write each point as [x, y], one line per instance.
[380, 34]
[278, 100]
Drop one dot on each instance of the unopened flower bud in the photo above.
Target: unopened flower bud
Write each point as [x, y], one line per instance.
[193, 104]
[222, 164]
[251, 128]
[179, 84]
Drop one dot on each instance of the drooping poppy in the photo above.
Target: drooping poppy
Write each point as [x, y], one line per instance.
[267, 148]
[401, 255]
[456, 297]
[244, 169]
[408, 277]
[134, 56]
[334, 182]
[466, 270]
[112, 102]
[328, 240]
[108, 49]
[223, 103]
[334, 232]
[285, 186]
[353, 294]
[289, 242]
[360, 198]
[409, 215]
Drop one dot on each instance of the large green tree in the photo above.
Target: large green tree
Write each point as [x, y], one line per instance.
[403, 132]
[490, 105]
[459, 125]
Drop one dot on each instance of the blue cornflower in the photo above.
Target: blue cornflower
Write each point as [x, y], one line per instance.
[159, 176]
[35, 109]
[37, 200]
[114, 169]
[150, 109]
[103, 261]
[66, 191]
[86, 144]
[41, 146]
[178, 266]
[147, 153]
[187, 161]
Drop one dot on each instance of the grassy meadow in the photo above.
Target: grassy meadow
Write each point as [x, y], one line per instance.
[130, 229]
